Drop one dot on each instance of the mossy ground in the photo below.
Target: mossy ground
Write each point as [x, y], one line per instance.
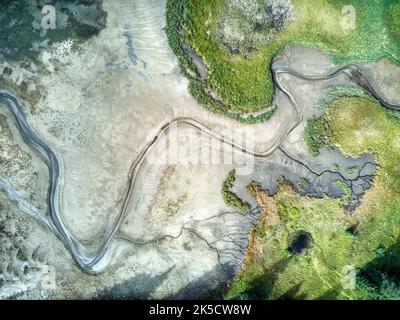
[245, 83]
[22, 36]
[355, 125]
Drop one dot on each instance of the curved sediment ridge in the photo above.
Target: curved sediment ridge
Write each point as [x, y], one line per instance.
[98, 261]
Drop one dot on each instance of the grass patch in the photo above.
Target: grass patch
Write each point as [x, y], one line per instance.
[22, 37]
[352, 169]
[22, 90]
[244, 83]
[315, 135]
[230, 198]
[379, 279]
[304, 276]
[346, 192]
[339, 92]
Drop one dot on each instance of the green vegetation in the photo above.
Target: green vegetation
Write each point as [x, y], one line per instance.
[379, 279]
[368, 239]
[276, 273]
[239, 80]
[179, 16]
[23, 37]
[385, 288]
[231, 198]
[303, 184]
[22, 90]
[339, 92]
[376, 37]
[394, 21]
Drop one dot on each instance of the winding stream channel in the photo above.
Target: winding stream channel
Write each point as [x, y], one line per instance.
[97, 262]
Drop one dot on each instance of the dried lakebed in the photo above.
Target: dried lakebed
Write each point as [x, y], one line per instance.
[359, 181]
